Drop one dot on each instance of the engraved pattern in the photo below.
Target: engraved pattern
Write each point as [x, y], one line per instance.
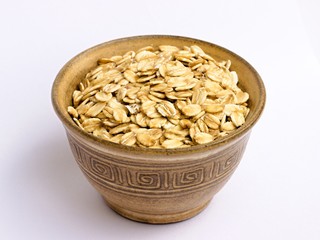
[188, 178]
[143, 179]
[75, 151]
[221, 168]
[119, 175]
[104, 170]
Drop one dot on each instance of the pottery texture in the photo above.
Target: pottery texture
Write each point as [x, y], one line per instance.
[149, 185]
[168, 192]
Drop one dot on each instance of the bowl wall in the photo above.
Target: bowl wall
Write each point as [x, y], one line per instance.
[158, 191]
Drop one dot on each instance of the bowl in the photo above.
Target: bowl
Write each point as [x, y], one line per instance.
[156, 185]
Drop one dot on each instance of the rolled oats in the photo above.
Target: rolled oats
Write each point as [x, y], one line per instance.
[191, 110]
[102, 133]
[120, 116]
[160, 97]
[172, 143]
[157, 122]
[202, 138]
[95, 109]
[128, 138]
[73, 112]
[146, 139]
[103, 97]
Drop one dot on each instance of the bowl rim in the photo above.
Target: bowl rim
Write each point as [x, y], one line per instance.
[75, 130]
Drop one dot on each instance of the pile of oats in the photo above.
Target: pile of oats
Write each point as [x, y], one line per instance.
[160, 97]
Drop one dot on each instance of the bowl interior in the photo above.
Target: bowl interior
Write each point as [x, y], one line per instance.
[72, 73]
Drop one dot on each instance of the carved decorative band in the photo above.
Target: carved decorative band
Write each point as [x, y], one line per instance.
[143, 179]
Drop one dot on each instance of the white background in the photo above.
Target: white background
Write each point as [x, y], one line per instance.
[275, 192]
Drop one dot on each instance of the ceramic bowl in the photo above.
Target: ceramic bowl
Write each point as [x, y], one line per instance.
[156, 185]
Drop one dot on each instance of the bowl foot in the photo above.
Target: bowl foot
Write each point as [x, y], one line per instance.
[157, 218]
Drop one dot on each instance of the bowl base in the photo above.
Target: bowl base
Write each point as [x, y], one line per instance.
[157, 218]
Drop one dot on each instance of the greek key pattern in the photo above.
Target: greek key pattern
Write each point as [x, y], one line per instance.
[119, 176]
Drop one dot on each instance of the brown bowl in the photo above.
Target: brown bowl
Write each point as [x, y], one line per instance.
[156, 185]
